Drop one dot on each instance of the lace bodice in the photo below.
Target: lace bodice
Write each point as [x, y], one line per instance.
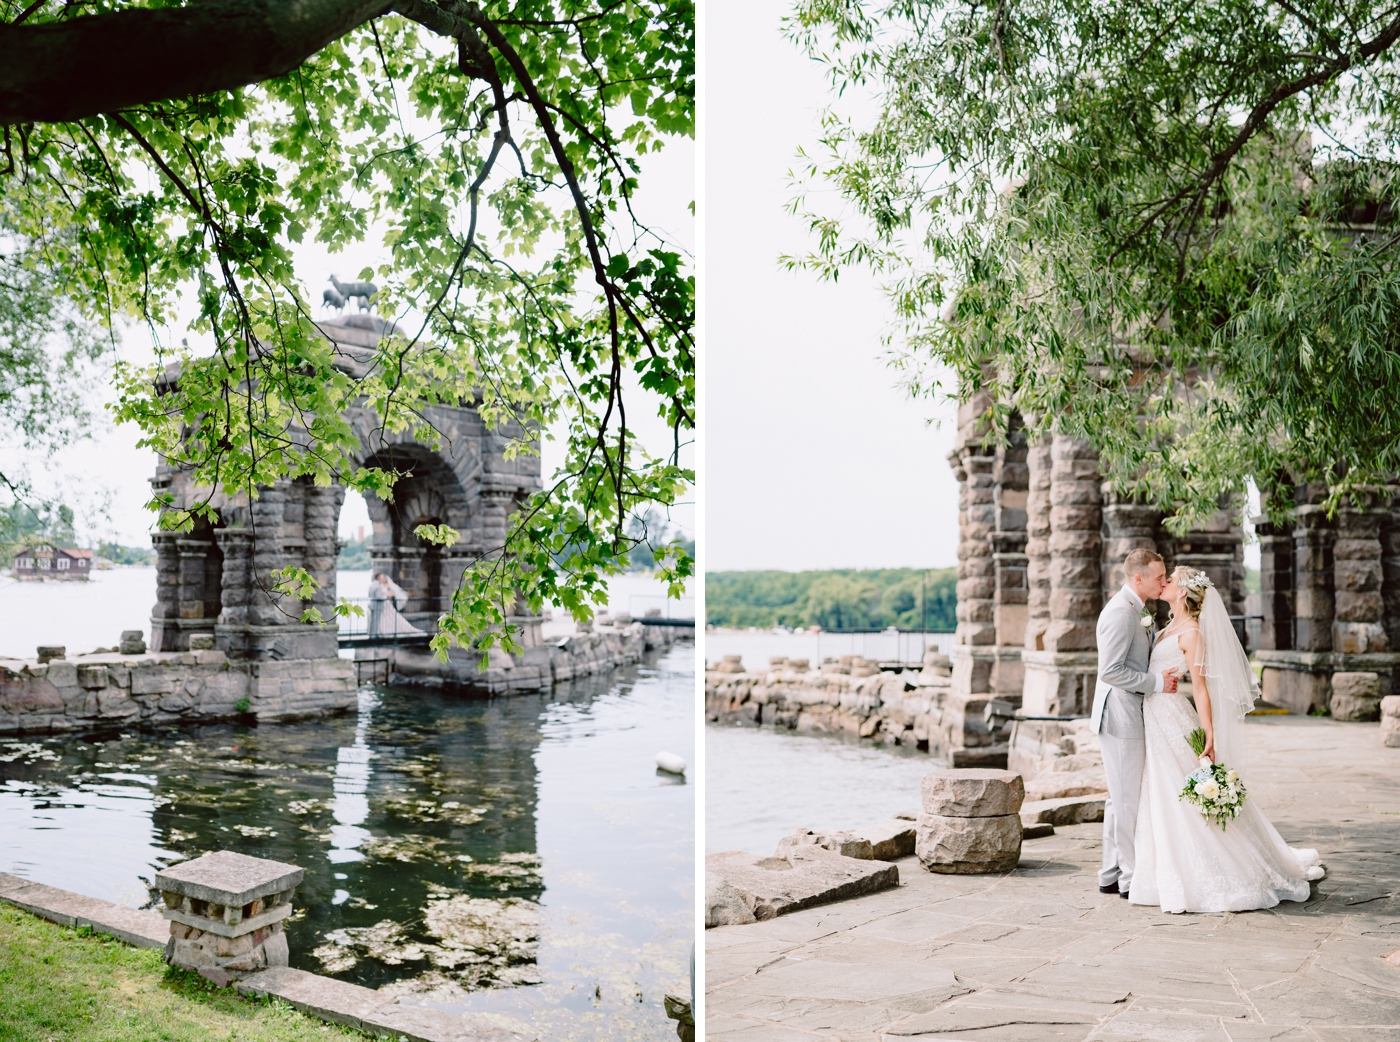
[1167, 654]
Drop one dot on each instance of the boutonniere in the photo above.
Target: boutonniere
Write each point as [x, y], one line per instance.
[1147, 619]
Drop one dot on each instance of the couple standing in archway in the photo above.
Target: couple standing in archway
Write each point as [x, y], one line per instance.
[387, 600]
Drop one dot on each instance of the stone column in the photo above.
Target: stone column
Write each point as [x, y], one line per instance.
[497, 502]
[265, 608]
[1037, 545]
[1390, 565]
[237, 546]
[1358, 621]
[321, 519]
[1010, 495]
[165, 627]
[1060, 679]
[976, 571]
[1127, 526]
[1315, 572]
[1275, 585]
[1216, 548]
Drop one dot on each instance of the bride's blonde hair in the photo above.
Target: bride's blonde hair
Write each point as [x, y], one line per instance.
[1195, 591]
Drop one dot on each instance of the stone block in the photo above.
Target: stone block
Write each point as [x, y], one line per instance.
[974, 792]
[806, 877]
[30, 695]
[1072, 810]
[847, 844]
[724, 906]
[1297, 691]
[92, 677]
[968, 846]
[201, 641]
[1052, 785]
[113, 702]
[49, 652]
[890, 840]
[152, 680]
[1076, 604]
[1390, 707]
[63, 673]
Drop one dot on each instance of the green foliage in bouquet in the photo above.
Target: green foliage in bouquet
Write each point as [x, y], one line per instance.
[1215, 790]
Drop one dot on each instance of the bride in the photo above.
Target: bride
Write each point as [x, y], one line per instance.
[1184, 862]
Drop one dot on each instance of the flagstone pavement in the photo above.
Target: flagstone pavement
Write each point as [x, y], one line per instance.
[1038, 955]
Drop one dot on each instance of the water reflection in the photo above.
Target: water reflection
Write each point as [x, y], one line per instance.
[450, 845]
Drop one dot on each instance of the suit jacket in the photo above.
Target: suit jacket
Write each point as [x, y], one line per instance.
[1124, 650]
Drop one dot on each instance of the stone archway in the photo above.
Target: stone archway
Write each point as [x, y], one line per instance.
[217, 578]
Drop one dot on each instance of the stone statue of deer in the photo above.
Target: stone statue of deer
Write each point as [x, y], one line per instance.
[363, 291]
[331, 299]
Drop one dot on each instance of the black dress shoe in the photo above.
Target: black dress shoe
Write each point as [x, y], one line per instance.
[1112, 888]
[1123, 894]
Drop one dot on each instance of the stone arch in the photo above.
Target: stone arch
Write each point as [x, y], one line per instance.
[218, 577]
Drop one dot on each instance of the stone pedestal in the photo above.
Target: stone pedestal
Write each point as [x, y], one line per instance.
[970, 821]
[1059, 683]
[226, 912]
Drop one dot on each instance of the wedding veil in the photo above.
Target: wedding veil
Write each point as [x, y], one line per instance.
[1221, 661]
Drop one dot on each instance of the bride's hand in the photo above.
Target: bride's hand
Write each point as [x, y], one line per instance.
[1209, 750]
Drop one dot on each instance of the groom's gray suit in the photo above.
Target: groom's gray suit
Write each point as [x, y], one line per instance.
[1124, 649]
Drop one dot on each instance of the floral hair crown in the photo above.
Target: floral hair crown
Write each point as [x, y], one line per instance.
[1195, 581]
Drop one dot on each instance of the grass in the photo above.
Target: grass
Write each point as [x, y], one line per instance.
[59, 984]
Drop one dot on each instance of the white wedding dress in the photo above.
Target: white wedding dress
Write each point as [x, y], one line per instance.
[1185, 863]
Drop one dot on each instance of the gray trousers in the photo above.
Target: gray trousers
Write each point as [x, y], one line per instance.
[1123, 762]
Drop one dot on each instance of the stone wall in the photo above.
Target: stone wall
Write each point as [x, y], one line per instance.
[603, 647]
[1331, 604]
[106, 690]
[919, 709]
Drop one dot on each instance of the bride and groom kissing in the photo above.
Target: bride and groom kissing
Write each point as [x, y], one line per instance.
[1157, 849]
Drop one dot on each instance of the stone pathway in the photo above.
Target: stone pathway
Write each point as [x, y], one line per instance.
[1038, 955]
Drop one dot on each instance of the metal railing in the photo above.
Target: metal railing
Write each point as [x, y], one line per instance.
[383, 624]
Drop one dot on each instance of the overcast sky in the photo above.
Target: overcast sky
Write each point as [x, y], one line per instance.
[813, 457]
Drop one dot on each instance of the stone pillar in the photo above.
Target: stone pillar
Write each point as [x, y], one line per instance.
[321, 519]
[1127, 526]
[237, 546]
[1037, 545]
[1275, 585]
[976, 633]
[497, 503]
[165, 626]
[226, 912]
[1216, 548]
[1390, 565]
[266, 608]
[1314, 576]
[1010, 496]
[1060, 679]
[1358, 621]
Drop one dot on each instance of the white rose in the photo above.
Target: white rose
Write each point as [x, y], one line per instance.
[1209, 790]
[1146, 621]
[1232, 776]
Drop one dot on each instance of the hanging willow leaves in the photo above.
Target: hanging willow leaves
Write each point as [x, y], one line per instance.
[1168, 227]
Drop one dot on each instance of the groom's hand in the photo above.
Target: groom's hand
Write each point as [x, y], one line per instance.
[1169, 680]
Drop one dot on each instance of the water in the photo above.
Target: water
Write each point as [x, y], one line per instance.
[455, 848]
[761, 784]
[82, 616]
[758, 646]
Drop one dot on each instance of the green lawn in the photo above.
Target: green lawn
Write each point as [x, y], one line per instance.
[59, 984]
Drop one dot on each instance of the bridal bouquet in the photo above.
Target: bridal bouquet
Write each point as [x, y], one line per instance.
[1217, 792]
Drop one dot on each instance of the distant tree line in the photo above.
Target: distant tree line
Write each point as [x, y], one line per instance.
[839, 599]
[354, 556]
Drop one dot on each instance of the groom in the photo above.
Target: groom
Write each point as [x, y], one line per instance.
[1125, 644]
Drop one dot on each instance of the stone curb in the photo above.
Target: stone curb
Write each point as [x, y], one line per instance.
[325, 997]
[137, 928]
[1067, 810]
[370, 1011]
